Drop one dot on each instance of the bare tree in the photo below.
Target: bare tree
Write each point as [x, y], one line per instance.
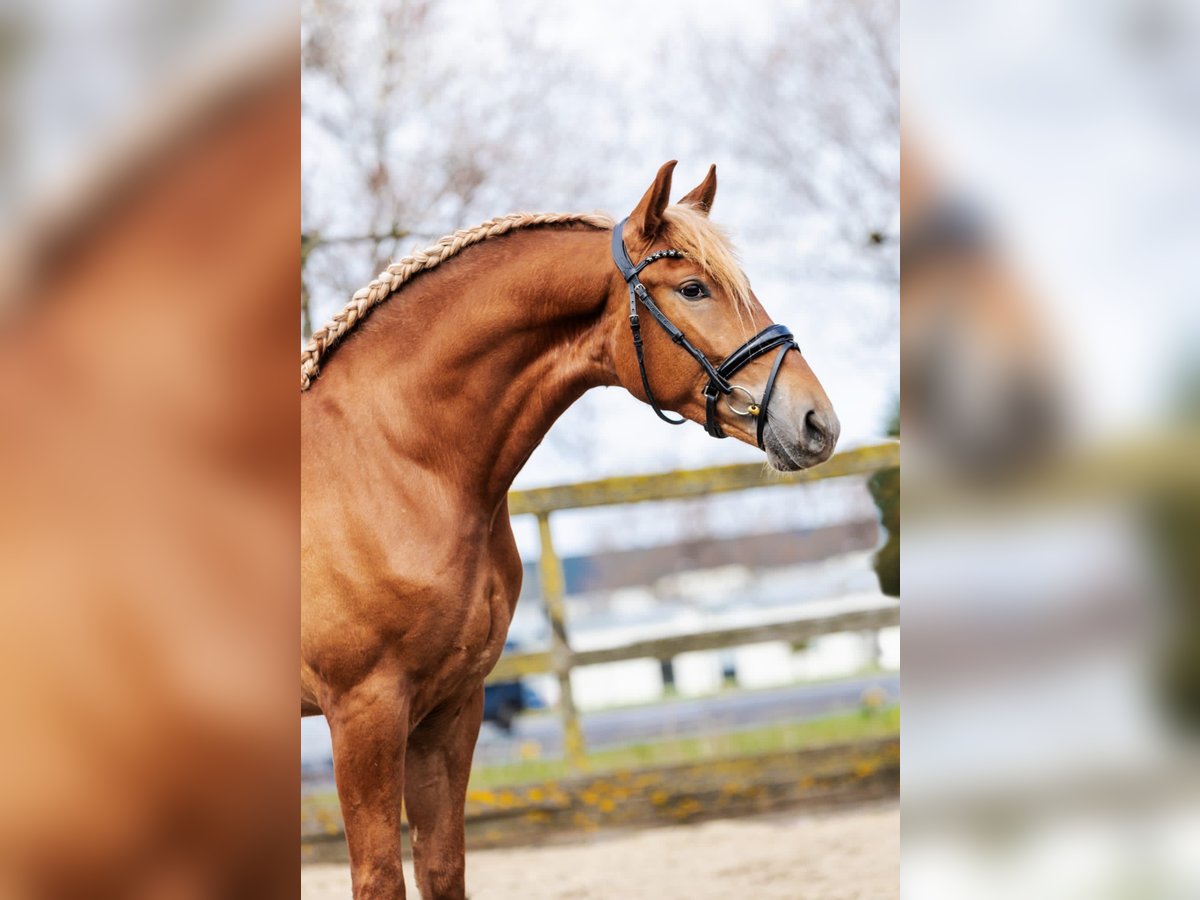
[406, 140]
[816, 106]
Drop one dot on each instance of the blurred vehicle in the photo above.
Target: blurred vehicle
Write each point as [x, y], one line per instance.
[503, 701]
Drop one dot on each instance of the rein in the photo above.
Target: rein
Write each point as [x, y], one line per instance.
[770, 338]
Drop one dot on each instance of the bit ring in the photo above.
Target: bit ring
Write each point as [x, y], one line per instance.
[752, 408]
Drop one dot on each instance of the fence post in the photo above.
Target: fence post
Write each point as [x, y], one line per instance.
[553, 595]
[874, 648]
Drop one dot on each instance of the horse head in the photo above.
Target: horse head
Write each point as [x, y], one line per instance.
[702, 345]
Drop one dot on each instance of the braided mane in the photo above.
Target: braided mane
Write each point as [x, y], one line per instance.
[397, 274]
[687, 229]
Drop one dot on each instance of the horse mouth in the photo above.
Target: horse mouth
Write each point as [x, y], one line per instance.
[783, 458]
[780, 458]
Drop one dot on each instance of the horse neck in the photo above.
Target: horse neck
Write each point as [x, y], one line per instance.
[464, 371]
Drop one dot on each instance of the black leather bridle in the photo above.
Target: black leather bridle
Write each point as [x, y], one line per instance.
[770, 338]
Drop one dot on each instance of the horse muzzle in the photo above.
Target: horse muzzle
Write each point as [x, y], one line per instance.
[795, 442]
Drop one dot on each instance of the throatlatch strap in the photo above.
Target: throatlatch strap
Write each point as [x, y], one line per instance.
[637, 291]
[635, 326]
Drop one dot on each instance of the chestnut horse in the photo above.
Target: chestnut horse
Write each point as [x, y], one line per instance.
[412, 436]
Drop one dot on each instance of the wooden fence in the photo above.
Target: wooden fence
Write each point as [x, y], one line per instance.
[561, 658]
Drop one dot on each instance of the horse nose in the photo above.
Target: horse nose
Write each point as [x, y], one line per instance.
[821, 429]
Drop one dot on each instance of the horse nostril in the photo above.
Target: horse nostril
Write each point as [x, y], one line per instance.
[816, 430]
[821, 431]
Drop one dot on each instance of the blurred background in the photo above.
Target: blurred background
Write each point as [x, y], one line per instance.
[1052, 491]
[733, 652]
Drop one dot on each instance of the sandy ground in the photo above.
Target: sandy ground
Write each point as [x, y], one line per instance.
[835, 855]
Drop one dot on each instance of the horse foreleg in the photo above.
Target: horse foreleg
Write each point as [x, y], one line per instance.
[369, 726]
[439, 764]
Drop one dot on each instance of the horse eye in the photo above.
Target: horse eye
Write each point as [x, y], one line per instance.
[693, 291]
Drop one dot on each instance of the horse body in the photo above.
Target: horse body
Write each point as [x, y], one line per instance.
[404, 446]
[409, 446]
[410, 441]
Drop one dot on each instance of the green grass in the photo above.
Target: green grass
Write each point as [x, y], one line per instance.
[833, 729]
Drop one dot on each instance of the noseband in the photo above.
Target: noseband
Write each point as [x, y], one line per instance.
[770, 338]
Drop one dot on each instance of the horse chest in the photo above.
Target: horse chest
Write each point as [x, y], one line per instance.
[483, 604]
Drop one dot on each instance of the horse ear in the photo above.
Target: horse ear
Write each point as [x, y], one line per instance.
[647, 216]
[701, 196]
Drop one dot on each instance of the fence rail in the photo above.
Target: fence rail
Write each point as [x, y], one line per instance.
[697, 482]
[795, 631]
[561, 658]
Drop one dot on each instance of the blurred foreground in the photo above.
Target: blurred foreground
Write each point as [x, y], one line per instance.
[148, 464]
